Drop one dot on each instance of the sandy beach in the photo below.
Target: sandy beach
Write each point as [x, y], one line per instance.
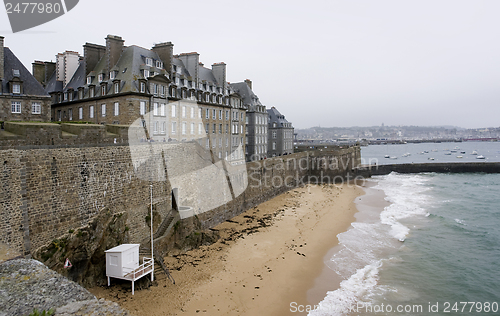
[266, 259]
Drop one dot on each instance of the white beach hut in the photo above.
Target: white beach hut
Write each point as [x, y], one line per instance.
[122, 262]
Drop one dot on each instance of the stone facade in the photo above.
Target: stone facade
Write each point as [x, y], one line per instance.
[22, 97]
[256, 121]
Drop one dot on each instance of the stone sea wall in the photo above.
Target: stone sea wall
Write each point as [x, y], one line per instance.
[48, 191]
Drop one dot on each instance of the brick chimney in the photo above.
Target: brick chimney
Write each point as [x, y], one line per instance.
[166, 53]
[1, 59]
[92, 53]
[192, 63]
[249, 83]
[219, 72]
[114, 49]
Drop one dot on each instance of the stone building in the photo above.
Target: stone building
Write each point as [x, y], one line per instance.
[22, 97]
[175, 97]
[280, 134]
[256, 122]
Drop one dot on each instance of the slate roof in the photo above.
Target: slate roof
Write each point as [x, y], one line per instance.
[249, 98]
[129, 66]
[276, 116]
[30, 85]
[207, 75]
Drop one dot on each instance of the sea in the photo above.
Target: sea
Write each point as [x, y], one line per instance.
[433, 248]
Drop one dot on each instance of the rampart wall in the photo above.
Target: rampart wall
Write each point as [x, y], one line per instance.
[48, 190]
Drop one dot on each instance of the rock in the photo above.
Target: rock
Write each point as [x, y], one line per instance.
[85, 248]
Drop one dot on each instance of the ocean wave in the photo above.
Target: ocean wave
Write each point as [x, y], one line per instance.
[360, 285]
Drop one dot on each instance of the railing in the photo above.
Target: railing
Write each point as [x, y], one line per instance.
[145, 268]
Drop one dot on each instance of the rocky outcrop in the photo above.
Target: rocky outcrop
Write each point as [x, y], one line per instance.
[27, 284]
[85, 249]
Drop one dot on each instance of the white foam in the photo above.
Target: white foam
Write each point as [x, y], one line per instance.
[351, 291]
[365, 244]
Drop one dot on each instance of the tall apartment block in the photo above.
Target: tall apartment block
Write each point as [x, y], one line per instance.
[280, 134]
[176, 98]
[256, 123]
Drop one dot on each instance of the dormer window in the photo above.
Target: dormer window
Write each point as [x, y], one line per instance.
[70, 95]
[116, 86]
[100, 77]
[112, 75]
[103, 89]
[179, 70]
[16, 88]
[89, 79]
[175, 68]
[142, 87]
[146, 73]
[177, 81]
[149, 61]
[92, 92]
[159, 64]
[16, 73]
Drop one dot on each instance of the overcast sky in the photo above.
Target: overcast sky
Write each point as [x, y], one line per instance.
[320, 62]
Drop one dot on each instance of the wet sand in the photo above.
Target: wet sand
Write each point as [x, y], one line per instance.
[267, 258]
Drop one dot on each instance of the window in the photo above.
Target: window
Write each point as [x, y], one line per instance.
[149, 61]
[100, 77]
[214, 129]
[163, 127]
[16, 88]
[155, 89]
[162, 109]
[91, 111]
[183, 111]
[220, 142]
[208, 99]
[117, 108]
[184, 126]
[111, 75]
[172, 92]
[227, 115]
[274, 145]
[208, 144]
[117, 87]
[36, 108]
[174, 127]
[146, 73]
[207, 114]
[214, 114]
[70, 95]
[103, 90]
[155, 128]
[142, 108]
[92, 92]
[200, 128]
[220, 128]
[80, 113]
[16, 106]
[192, 112]
[155, 108]
[227, 128]
[241, 129]
[173, 110]
[163, 90]
[103, 109]
[220, 114]
[192, 128]
[89, 80]
[274, 134]
[159, 64]
[143, 87]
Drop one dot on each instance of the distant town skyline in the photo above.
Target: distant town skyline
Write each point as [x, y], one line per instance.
[329, 63]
